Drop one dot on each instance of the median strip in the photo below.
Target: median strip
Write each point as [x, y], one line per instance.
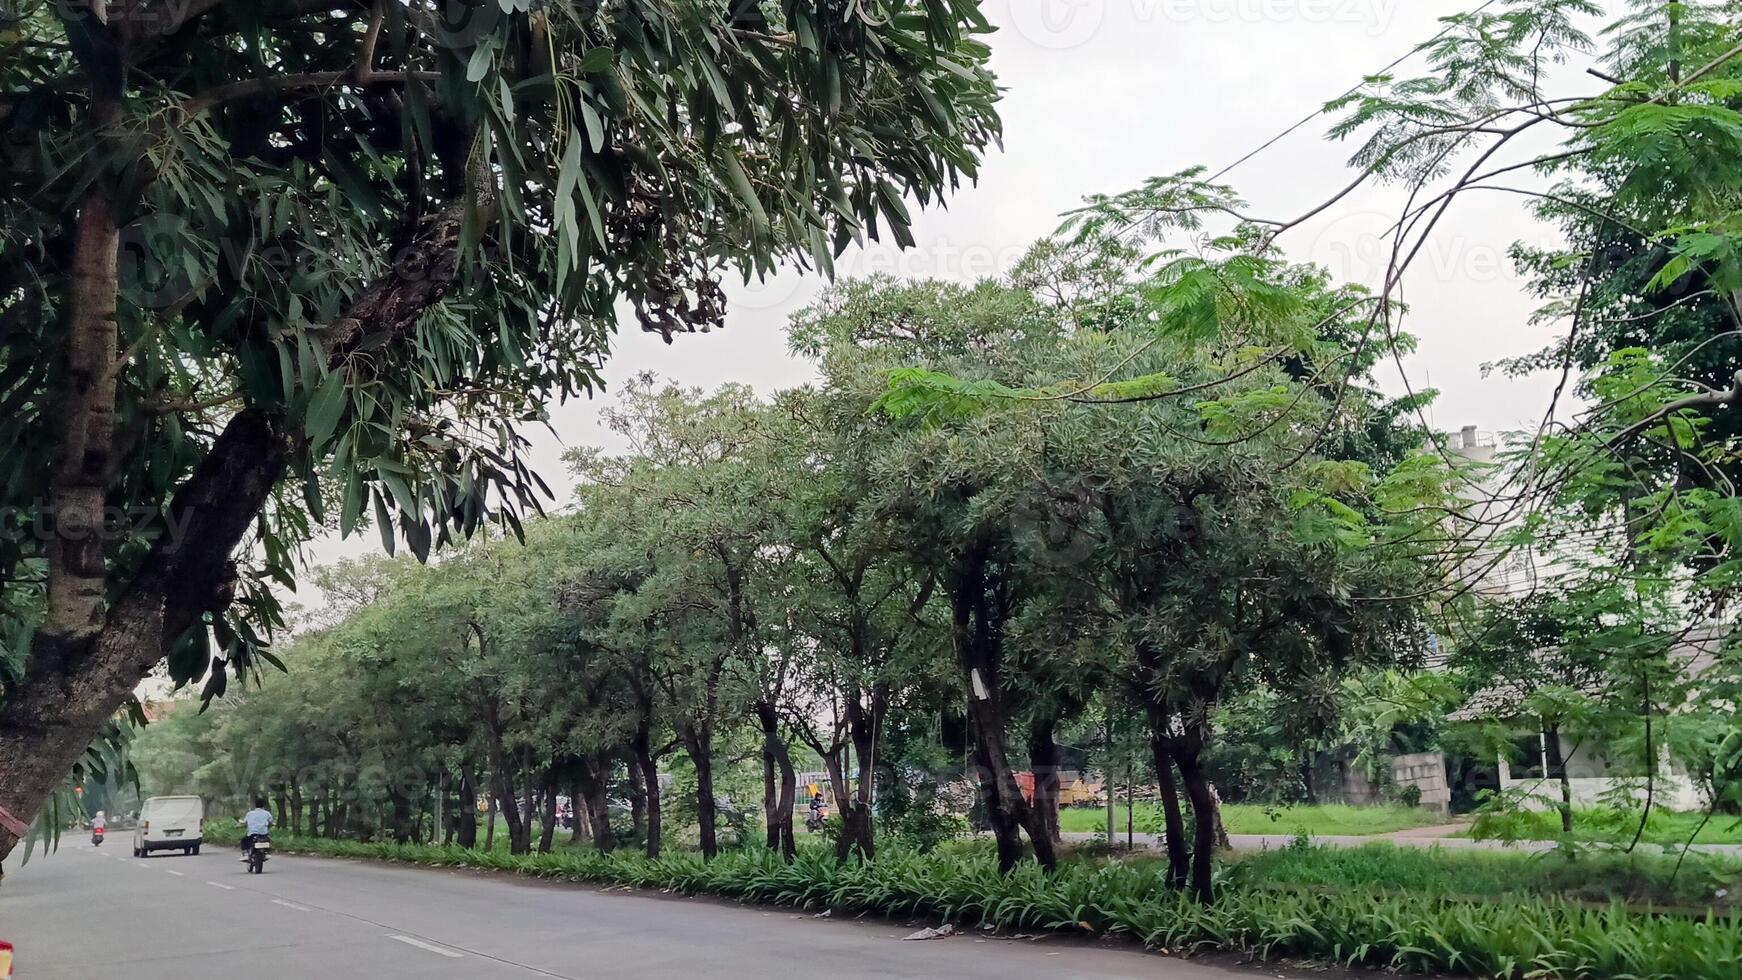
[440, 951]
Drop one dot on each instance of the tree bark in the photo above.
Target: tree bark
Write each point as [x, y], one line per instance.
[1043, 762]
[858, 826]
[1174, 825]
[1204, 817]
[547, 815]
[699, 744]
[977, 637]
[399, 821]
[780, 783]
[649, 767]
[1557, 763]
[489, 822]
[466, 830]
[592, 785]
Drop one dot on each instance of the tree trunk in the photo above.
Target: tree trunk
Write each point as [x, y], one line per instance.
[578, 803]
[1043, 761]
[780, 783]
[547, 816]
[466, 829]
[637, 799]
[858, 826]
[649, 767]
[489, 822]
[1204, 818]
[593, 786]
[1557, 764]
[1173, 821]
[699, 743]
[295, 808]
[977, 636]
[399, 821]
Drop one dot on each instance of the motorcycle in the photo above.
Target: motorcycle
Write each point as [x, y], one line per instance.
[814, 820]
[257, 851]
[96, 836]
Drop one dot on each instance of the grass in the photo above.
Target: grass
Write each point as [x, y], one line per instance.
[1703, 881]
[1420, 932]
[1244, 818]
[1606, 825]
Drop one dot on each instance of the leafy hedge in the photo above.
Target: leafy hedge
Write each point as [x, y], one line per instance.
[1536, 937]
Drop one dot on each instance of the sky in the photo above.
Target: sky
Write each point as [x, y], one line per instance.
[1101, 94]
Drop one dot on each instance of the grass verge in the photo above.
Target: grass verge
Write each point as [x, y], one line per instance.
[1245, 818]
[1424, 933]
[1702, 881]
[1607, 825]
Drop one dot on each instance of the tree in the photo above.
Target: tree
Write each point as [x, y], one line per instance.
[274, 257]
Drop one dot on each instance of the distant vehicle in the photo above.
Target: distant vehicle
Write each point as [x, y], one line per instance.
[96, 836]
[257, 850]
[169, 823]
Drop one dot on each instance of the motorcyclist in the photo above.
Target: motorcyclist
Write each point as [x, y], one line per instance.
[258, 822]
[816, 814]
[99, 824]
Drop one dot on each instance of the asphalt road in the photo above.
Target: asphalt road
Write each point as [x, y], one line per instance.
[100, 914]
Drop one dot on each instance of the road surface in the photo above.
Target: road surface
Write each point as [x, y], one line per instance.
[99, 913]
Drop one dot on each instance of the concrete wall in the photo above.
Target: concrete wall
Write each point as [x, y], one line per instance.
[1672, 790]
[1426, 770]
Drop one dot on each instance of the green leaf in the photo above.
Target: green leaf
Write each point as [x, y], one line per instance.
[325, 408]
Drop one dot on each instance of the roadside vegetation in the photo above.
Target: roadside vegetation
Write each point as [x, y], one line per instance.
[1248, 818]
[1610, 825]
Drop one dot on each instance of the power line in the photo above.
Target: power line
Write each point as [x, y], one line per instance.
[1279, 137]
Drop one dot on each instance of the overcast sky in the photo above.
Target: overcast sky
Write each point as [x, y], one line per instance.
[1104, 93]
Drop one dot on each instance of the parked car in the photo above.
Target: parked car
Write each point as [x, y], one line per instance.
[169, 823]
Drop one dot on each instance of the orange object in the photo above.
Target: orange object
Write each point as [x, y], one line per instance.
[1025, 783]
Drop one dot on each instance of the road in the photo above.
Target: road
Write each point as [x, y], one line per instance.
[97, 914]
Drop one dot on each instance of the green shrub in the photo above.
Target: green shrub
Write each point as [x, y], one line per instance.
[1421, 933]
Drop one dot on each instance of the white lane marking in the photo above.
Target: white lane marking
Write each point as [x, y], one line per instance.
[178, 874]
[290, 905]
[224, 887]
[407, 940]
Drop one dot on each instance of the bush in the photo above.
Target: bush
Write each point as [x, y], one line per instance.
[1702, 880]
[924, 830]
[1421, 933]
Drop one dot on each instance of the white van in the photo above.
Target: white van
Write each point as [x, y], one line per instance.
[169, 823]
